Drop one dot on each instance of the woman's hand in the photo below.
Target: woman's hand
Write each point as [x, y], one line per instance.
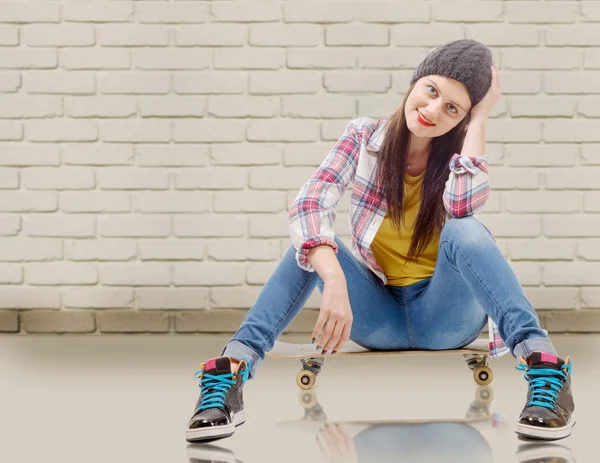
[336, 445]
[484, 108]
[335, 316]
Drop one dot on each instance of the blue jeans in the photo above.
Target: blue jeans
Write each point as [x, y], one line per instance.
[471, 282]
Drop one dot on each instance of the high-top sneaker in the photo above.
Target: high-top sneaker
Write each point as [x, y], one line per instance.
[548, 413]
[220, 407]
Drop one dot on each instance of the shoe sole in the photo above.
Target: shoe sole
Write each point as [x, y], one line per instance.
[216, 432]
[535, 432]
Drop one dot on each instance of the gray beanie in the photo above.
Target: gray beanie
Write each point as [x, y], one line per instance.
[466, 61]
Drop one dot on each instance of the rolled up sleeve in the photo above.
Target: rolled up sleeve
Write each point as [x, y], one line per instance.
[467, 188]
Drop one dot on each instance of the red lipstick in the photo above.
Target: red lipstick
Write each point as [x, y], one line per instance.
[423, 120]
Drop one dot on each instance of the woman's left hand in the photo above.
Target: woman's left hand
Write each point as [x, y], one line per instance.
[485, 107]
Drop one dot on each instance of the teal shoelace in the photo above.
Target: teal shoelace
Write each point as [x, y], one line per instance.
[545, 384]
[215, 388]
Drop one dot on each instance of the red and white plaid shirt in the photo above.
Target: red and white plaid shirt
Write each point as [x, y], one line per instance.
[353, 160]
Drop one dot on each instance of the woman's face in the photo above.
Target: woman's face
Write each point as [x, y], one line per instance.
[435, 106]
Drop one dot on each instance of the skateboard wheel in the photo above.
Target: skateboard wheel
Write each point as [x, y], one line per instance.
[306, 379]
[307, 399]
[484, 395]
[483, 375]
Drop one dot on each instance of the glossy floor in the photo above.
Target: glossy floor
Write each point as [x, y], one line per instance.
[127, 399]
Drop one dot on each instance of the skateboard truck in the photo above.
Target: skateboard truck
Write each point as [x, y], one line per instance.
[311, 367]
[478, 364]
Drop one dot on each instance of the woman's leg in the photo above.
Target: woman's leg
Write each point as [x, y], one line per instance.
[378, 320]
[473, 279]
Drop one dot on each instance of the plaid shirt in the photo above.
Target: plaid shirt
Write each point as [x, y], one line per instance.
[313, 212]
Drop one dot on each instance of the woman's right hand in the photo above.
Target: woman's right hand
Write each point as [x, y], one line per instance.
[335, 316]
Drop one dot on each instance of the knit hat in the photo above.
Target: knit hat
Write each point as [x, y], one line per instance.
[466, 61]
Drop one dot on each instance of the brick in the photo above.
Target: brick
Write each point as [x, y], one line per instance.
[127, 35]
[528, 273]
[583, 35]
[172, 58]
[504, 35]
[583, 178]
[591, 202]
[38, 250]
[259, 272]
[9, 178]
[588, 106]
[378, 106]
[318, 12]
[95, 59]
[272, 83]
[571, 274]
[541, 250]
[9, 35]
[213, 225]
[590, 298]
[552, 298]
[215, 131]
[171, 202]
[540, 58]
[337, 58]
[356, 35]
[572, 131]
[9, 82]
[98, 12]
[513, 226]
[244, 58]
[212, 35]
[57, 82]
[542, 107]
[352, 82]
[97, 154]
[104, 106]
[30, 155]
[30, 298]
[211, 178]
[282, 130]
[290, 35]
[208, 274]
[251, 155]
[65, 178]
[172, 107]
[571, 226]
[408, 35]
[172, 13]
[542, 13]
[172, 298]
[28, 59]
[269, 226]
[134, 226]
[251, 106]
[512, 178]
[9, 322]
[58, 322]
[61, 130]
[11, 131]
[132, 322]
[99, 298]
[172, 250]
[11, 274]
[542, 155]
[135, 83]
[591, 58]
[24, 12]
[542, 202]
[99, 249]
[396, 58]
[242, 12]
[209, 83]
[249, 201]
[521, 82]
[134, 274]
[28, 202]
[59, 226]
[318, 107]
[72, 35]
[136, 131]
[588, 250]
[209, 321]
[577, 322]
[306, 154]
[61, 273]
[18, 107]
[94, 201]
[502, 130]
[9, 225]
[468, 12]
[333, 130]
[394, 12]
[236, 250]
[171, 156]
[590, 154]
[572, 82]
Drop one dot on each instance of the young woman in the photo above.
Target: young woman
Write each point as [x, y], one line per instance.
[423, 273]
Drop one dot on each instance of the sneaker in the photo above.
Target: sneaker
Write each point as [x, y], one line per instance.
[548, 414]
[220, 407]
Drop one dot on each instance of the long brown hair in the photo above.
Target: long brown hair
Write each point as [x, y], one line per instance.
[391, 171]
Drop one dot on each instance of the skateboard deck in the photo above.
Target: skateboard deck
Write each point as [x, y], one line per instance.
[284, 350]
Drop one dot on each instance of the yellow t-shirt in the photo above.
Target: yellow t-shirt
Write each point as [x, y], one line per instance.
[390, 247]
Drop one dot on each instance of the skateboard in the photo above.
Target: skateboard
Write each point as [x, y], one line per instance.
[475, 355]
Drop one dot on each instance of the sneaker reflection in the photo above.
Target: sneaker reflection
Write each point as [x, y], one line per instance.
[544, 453]
[209, 453]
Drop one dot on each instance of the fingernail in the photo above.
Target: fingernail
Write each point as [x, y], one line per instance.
[324, 352]
[313, 340]
[334, 351]
[318, 348]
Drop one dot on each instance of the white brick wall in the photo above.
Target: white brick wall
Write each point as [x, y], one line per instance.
[149, 150]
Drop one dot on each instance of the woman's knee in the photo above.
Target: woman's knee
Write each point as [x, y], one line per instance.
[466, 230]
